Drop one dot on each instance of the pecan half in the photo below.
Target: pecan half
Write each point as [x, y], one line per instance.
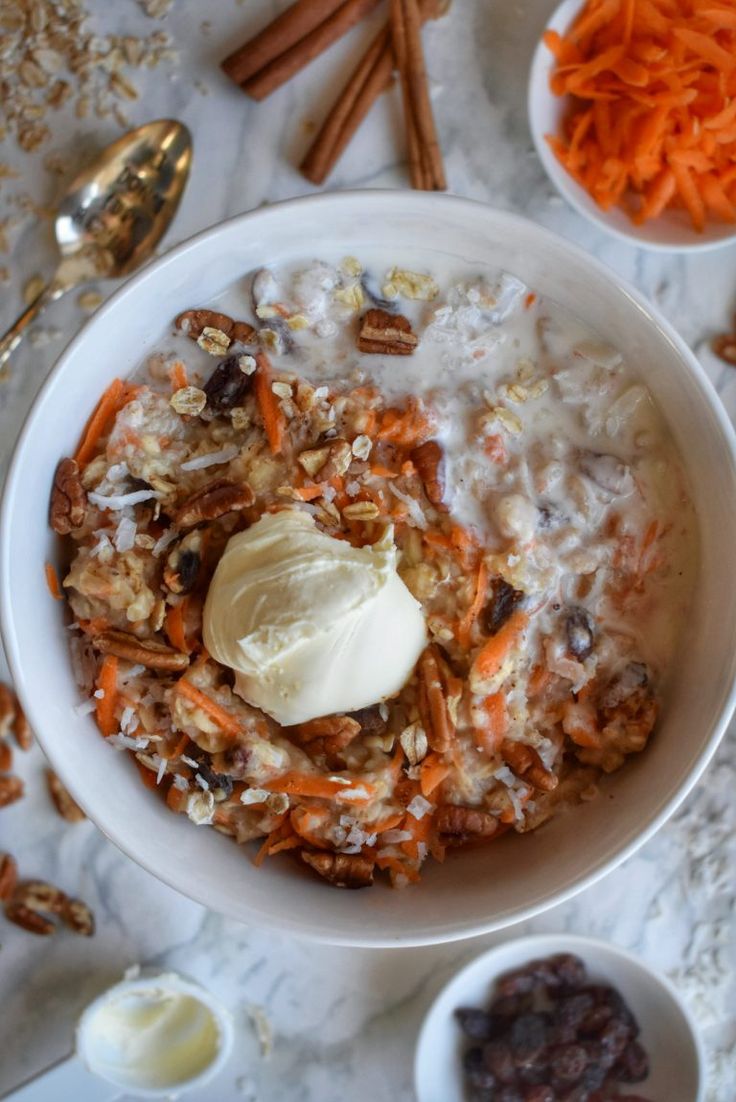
[433, 709]
[39, 895]
[29, 920]
[8, 876]
[328, 736]
[725, 347]
[527, 764]
[68, 808]
[78, 917]
[213, 501]
[429, 460]
[457, 825]
[7, 709]
[387, 334]
[192, 322]
[11, 789]
[343, 870]
[22, 728]
[6, 757]
[227, 385]
[146, 652]
[68, 498]
[183, 563]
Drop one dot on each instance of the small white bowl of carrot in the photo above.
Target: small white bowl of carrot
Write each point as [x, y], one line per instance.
[632, 107]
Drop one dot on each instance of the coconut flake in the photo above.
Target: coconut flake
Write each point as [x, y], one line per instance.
[161, 771]
[115, 502]
[203, 784]
[125, 533]
[393, 837]
[125, 742]
[180, 782]
[117, 473]
[164, 540]
[505, 776]
[85, 707]
[419, 807]
[190, 762]
[415, 509]
[212, 459]
[130, 674]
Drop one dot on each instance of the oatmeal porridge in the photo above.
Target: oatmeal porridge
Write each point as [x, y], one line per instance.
[372, 562]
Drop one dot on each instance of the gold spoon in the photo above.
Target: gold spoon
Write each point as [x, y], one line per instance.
[114, 214]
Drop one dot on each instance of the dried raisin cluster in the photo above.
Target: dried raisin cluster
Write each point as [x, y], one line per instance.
[550, 1035]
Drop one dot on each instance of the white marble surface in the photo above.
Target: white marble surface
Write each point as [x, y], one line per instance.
[344, 1021]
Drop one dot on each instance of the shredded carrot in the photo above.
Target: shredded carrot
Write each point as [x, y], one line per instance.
[112, 401]
[530, 299]
[397, 867]
[271, 412]
[432, 772]
[107, 682]
[224, 720]
[407, 427]
[493, 732]
[295, 783]
[178, 375]
[474, 609]
[652, 119]
[174, 626]
[305, 819]
[176, 798]
[491, 656]
[580, 722]
[308, 493]
[272, 839]
[178, 749]
[148, 776]
[495, 448]
[389, 823]
[52, 581]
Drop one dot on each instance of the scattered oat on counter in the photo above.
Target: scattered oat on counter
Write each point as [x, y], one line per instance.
[262, 1028]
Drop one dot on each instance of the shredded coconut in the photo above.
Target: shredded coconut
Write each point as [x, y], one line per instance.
[115, 502]
[164, 540]
[419, 807]
[415, 509]
[84, 708]
[125, 533]
[212, 459]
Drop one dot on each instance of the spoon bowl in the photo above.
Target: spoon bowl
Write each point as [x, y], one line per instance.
[114, 214]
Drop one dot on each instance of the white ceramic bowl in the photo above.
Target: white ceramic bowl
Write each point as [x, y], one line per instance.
[668, 1032]
[475, 891]
[672, 232]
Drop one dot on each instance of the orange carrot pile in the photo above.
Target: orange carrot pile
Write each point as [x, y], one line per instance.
[653, 118]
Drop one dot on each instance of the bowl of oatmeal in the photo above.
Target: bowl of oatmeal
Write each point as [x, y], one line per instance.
[390, 564]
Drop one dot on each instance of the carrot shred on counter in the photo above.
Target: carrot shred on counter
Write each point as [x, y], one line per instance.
[107, 682]
[271, 412]
[52, 581]
[224, 720]
[652, 122]
[117, 395]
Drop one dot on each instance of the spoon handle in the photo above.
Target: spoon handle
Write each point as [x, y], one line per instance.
[10, 340]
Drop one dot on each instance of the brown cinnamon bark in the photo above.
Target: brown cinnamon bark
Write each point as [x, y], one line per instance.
[425, 156]
[280, 35]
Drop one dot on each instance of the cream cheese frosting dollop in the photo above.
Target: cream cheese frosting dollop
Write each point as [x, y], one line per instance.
[310, 624]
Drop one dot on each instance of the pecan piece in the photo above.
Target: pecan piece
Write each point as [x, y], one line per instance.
[725, 347]
[527, 764]
[429, 460]
[344, 870]
[8, 876]
[227, 385]
[504, 599]
[213, 501]
[6, 757]
[67, 807]
[328, 736]
[433, 709]
[78, 917]
[40, 896]
[183, 563]
[7, 709]
[11, 789]
[144, 652]
[22, 728]
[68, 498]
[192, 322]
[29, 920]
[457, 825]
[370, 720]
[387, 334]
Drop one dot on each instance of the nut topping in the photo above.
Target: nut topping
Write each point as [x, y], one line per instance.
[433, 708]
[144, 652]
[68, 499]
[527, 764]
[387, 334]
[457, 825]
[68, 808]
[213, 501]
[39, 895]
[192, 322]
[429, 460]
[344, 870]
[29, 920]
[78, 917]
[8, 876]
[11, 789]
[328, 736]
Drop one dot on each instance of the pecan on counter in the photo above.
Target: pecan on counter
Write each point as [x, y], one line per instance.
[457, 825]
[343, 870]
[8, 876]
[193, 322]
[28, 919]
[429, 460]
[144, 652]
[213, 501]
[11, 789]
[68, 498]
[386, 334]
[66, 806]
[78, 917]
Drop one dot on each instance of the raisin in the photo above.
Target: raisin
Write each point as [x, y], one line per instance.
[580, 633]
[508, 1094]
[570, 1010]
[508, 1006]
[569, 970]
[499, 1059]
[596, 1019]
[476, 1072]
[476, 1024]
[520, 982]
[227, 386]
[568, 1062]
[593, 1077]
[527, 1037]
[504, 599]
[633, 1064]
[615, 1036]
[540, 1093]
[188, 563]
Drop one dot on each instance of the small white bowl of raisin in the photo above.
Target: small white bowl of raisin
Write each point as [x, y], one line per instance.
[558, 1018]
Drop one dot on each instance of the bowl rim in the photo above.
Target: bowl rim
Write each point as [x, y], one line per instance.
[380, 199]
[564, 942]
[564, 184]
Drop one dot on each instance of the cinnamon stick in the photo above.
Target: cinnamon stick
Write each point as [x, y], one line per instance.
[425, 156]
[292, 60]
[372, 77]
[280, 35]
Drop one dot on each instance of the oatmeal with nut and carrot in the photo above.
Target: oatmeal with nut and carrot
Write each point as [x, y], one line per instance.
[369, 564]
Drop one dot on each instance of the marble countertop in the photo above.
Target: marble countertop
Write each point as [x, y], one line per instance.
[343, 1021]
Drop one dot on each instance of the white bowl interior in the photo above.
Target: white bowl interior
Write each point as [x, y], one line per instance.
[672, 232]
[475, 891]
[667, 1030]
